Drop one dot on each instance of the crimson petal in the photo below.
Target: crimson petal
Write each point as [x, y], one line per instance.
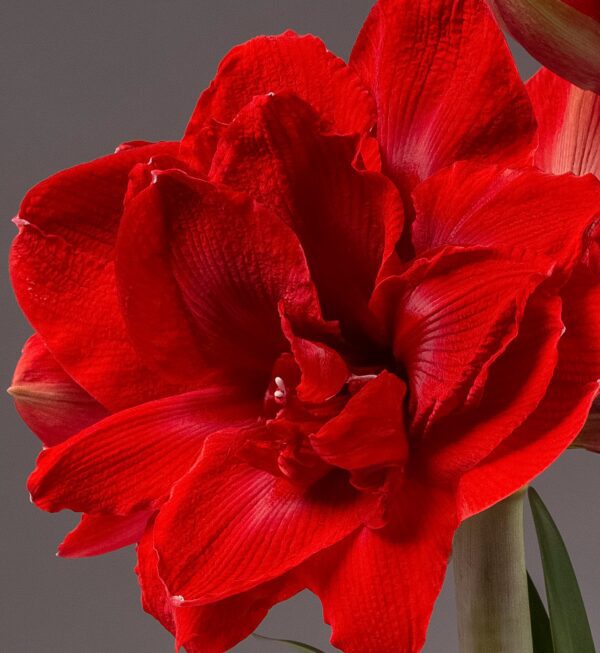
[451, 316]
[559, 417]
[208, 628]
[469, 204]
[569, 125]
[129, 461]
[98, 534]
[63, 276]
[232, 291]
[49, 401]
[244, 526]
[274, 64]
[348, 220]
[445, 84]
[370, 430]
[378, 587]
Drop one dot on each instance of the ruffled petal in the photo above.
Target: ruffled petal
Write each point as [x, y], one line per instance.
[98, 534]
[378, 587]
[323, 370]
[63, 276]
[49, 401]
[446, 87]
[524, 209]
[208, 628]
[452, 315]
[244, 526]
[370, 430]
[568, 125]
[560, 416]
[516, 384]
[129, 461]
[348, 220]
[234, 263]
[274, 64]
[561, 34]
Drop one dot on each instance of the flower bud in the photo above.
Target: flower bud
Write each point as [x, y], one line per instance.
[563, 35]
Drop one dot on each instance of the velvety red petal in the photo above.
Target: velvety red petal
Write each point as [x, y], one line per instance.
[323, 370]
[524, 209]
[98, 534]
[348, 220]
[378, 587]
[63, 276]
[234, 263]
[559, 417]
[452, 316]
[129, 461]
[49, 401]
[445, 84]
[208, 628]
[516, 384]
[568, 125]
[273, 64]
[370, 430]
[243, 526]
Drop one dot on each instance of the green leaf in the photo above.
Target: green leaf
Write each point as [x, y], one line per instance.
[540, 624]
[290, 642]
[568, 620]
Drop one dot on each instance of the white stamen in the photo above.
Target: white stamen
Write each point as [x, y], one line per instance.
[281, 392]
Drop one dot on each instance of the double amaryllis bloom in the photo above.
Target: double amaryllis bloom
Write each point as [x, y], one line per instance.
[353, 306]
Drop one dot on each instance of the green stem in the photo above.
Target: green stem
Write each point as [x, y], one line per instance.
[491, 581]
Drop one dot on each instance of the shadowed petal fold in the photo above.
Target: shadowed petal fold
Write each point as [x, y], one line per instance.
[348, 220]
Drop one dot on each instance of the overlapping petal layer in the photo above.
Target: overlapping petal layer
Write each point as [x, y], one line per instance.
[445, 85]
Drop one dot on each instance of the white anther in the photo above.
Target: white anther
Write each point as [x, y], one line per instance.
[281, 391]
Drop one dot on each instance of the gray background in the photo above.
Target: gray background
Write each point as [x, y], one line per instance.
[78, 78]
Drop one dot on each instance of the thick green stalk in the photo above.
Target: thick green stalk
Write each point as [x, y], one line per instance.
[491, 581]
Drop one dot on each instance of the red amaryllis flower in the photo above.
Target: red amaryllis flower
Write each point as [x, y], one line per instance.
[339, 317]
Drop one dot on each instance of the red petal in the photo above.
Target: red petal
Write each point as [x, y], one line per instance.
[453, 315]
[244, 526]
[347, 220]
[568, 125]
[589, 438]
[233, 261]
[445, 85]
[324, 371]
[559, 417]
[62, 273]
[129, 461]
[272, 64]
[516, 384]
[49, 401]
[208, 628]
[378, 587]
[370, 429]
[98, 534]
[523, 209]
